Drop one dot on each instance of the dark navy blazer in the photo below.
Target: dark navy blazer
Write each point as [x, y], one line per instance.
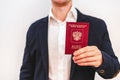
[35, 62]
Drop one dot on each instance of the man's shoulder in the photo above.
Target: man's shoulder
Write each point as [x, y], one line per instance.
[96, 23]
[37, 26]
[38, 23]
[94, 19]
[88, 18]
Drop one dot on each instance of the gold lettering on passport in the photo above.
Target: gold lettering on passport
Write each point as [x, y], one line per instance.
[76, 46]
[77, 26]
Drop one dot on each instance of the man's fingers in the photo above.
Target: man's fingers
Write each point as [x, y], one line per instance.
[87, 54]
[88, 64]
[88, 59]
[83, 50]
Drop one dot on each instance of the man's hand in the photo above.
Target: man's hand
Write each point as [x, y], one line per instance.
[88, 56]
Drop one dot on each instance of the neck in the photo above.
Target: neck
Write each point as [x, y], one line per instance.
[61, 11]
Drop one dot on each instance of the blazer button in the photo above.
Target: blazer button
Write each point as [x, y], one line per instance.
[102, 71]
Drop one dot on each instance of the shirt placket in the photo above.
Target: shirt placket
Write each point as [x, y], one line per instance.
[61, 46]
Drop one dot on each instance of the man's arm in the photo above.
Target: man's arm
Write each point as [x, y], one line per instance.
[27, 69]
[110, 66]
[102, 59]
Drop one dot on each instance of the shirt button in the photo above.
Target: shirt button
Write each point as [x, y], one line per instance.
[102, 71]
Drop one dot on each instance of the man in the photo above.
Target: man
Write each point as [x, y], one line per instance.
[45, 59]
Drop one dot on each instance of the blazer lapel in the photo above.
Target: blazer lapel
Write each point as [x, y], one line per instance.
[80, 18]
[43, 33]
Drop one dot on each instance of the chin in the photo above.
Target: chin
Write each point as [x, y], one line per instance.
[61, 2]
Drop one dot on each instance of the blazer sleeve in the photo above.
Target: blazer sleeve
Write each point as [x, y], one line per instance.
[27, 69]
[110, 66]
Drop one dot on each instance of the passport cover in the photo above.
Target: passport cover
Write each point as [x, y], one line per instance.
[76, 36]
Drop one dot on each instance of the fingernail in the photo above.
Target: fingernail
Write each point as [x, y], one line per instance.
[74, 53]
[73, 58]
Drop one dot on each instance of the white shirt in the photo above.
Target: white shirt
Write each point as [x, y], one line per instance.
[59, 63]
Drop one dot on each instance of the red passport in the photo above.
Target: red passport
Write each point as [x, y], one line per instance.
[76, 36]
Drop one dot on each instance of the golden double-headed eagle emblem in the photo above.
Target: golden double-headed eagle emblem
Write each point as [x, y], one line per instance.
[77, 35]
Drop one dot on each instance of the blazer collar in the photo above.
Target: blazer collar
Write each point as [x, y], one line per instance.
[80, 17]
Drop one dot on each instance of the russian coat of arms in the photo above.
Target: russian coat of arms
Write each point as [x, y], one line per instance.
[77, 35]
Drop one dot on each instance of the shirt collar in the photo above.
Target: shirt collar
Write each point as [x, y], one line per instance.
[72, 11]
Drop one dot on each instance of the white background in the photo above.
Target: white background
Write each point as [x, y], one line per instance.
[17, 15]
